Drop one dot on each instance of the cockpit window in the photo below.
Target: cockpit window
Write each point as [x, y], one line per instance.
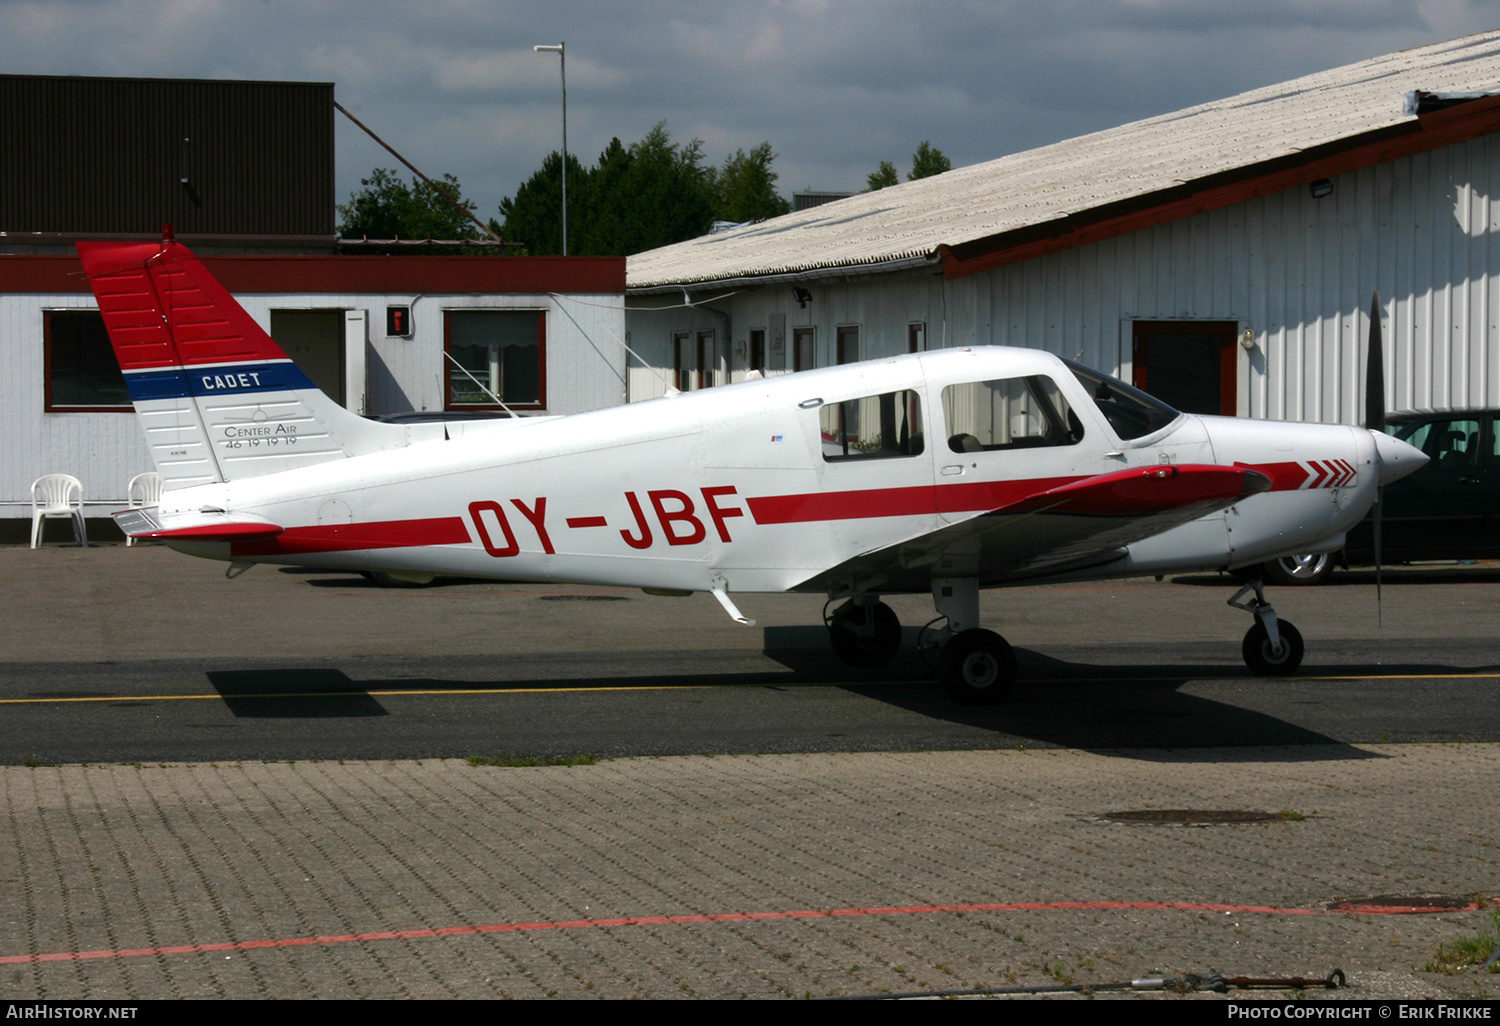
[1008, 413]
[874, 427]
[1131, 412]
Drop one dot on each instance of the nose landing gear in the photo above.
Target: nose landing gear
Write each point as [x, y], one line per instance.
[1272, 647]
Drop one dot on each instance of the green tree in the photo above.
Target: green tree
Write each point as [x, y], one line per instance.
[883, 177]
[649, 194]
[745, 187]
[388, 207]
[666, 193]
[533, 217]
[928, 161]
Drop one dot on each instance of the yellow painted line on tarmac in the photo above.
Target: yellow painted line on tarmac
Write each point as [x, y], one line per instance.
[396, 692]
[346, 694]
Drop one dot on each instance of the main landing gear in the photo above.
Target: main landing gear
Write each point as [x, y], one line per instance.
[1272, 647]
[978, 667]
[975, 666]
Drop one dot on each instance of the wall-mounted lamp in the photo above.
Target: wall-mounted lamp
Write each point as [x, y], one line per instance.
[802, 296]
[1322, 187]
[1247, 340]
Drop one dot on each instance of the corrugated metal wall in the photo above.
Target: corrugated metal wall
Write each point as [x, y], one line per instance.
[1296, 271]
[99, 155]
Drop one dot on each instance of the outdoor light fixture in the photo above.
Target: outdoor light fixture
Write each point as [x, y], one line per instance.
[562, 63]
[802, 296]
[1322, 187]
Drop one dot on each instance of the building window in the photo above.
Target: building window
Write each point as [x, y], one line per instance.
[848, 345]
[804, 348]
[82, 372]
[708, 360]
[495, 357]
[756, 358]
[683, 364]
[916, 337]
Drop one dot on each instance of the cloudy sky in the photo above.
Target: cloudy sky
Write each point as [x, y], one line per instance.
[836, 86]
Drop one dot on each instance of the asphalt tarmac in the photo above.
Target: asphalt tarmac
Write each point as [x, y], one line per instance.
[257, 788]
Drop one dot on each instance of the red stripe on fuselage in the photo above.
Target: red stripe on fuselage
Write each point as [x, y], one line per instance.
[1134, 491]
[897, 502]
[385, 534]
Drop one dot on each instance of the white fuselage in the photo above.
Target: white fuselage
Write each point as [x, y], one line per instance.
[732, 487]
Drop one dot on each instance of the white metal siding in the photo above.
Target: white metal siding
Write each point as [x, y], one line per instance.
[1297, 271]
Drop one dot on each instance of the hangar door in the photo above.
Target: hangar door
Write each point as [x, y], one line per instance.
[329, 347]
[1193, 365]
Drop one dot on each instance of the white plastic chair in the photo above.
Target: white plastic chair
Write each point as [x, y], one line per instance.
[143, 490]
[57, 495]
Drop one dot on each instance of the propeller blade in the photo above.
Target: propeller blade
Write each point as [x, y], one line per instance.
[1375, 421]
[1375, 371]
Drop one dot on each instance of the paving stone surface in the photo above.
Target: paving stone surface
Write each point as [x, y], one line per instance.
[758, 876]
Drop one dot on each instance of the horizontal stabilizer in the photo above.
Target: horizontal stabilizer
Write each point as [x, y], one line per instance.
[206, 526]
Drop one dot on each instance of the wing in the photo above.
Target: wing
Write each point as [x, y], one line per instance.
[1076, 525]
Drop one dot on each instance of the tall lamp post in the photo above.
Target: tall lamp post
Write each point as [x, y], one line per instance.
[562, 63]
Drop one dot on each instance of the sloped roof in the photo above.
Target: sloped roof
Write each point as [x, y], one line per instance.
[1175, 164]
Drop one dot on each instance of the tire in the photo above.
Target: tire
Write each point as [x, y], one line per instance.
[1262, 660]
[977, 667]
[858, 649]
[1309, 568]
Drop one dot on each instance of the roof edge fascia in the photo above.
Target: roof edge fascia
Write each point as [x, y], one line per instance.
[920, 260]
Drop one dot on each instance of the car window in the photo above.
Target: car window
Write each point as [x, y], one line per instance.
[1447, 443]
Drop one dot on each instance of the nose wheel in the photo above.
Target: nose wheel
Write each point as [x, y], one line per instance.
[1268, 660]
[1272, 646]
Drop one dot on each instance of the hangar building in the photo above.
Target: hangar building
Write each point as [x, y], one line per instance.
[1221, 256]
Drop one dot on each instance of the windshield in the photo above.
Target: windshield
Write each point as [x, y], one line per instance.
[1131, 412]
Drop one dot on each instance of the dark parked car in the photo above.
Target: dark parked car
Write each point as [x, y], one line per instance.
[1450, 509]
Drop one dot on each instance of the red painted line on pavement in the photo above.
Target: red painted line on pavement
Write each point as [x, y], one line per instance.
[721, 917]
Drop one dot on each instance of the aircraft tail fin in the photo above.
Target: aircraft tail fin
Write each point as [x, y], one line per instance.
[217, 398]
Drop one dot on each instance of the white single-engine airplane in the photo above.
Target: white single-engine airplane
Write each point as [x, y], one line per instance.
[947, 471]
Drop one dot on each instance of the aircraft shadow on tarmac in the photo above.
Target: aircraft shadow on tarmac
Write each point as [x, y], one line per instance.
[295, 693]
[1140, 710]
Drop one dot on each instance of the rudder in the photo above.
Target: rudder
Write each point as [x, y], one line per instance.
[217, 398]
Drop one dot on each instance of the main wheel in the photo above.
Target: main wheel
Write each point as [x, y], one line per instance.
[977, 667]
[865, 635]
[1266, 661]
[1309, 568]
